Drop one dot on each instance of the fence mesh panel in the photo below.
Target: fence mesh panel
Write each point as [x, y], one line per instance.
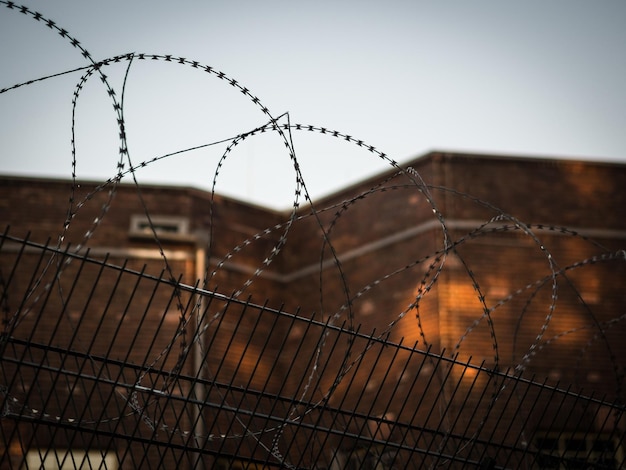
[209, 380]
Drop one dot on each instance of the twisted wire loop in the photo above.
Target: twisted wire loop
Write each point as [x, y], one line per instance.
[119, 363]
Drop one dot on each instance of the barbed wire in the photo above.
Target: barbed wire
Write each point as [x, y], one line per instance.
[315, 392]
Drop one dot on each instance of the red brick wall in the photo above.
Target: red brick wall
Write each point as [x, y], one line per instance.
[390, 277]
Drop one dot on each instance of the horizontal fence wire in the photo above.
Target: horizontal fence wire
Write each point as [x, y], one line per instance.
[119, 362]
[210, 380]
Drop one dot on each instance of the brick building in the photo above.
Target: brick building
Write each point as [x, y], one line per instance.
[512, 266]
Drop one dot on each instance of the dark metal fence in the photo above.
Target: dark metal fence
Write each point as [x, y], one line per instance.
[104, 366]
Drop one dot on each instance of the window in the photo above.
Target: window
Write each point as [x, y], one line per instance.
[238, 464]
[374, 457]
[166, 227]
[62, 459]
[578, 451]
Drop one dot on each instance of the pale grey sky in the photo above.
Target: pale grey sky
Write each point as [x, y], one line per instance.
[535, 78]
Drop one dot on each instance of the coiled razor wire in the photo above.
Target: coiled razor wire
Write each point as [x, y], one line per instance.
[306, 410]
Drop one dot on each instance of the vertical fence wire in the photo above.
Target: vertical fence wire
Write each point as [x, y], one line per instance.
[252, 396]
